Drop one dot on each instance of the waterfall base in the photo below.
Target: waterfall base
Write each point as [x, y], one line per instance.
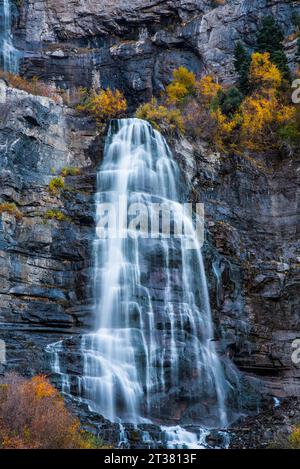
[148, 435]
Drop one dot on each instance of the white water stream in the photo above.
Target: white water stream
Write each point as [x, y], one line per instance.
[152, 350]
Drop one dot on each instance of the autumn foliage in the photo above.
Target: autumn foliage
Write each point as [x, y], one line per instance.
[256, 124]
[255, 115]
[33, 415]
[163, 118]
[103, 105]
[32, 86]
[11, 208]
[182, 86]
[260, 120]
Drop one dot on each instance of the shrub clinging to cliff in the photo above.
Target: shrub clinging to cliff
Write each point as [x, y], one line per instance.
[56, 184]
[103, 105]
[11, 208]
[182, 85]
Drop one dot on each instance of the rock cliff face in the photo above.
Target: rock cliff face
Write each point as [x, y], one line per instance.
[136, 45]
[251, 205]
[44, 263]
[252, 218]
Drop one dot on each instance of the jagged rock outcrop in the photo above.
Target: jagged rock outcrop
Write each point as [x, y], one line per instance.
[136, 45]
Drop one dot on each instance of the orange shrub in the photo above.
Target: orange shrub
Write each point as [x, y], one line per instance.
[33, 415]
[10, 207]
[33, 86]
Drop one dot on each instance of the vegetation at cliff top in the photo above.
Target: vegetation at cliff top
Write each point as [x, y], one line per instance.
[102, 105]
[33, 416]
[261, 120]
[256, 116]
[32, 86]
[11, 208]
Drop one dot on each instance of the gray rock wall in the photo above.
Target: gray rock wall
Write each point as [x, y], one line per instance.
[45, 264]
[252, 257]
[136, 45]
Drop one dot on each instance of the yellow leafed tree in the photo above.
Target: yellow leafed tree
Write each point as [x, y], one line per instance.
[182, 85]
[104, 105]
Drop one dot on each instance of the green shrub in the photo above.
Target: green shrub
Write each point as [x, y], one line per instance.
[290, 133]
[230, 101]
[69, 171]
[56, 214]
[56, 185]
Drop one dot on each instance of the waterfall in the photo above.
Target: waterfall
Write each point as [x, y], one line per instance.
[9, 54]
[152, 355]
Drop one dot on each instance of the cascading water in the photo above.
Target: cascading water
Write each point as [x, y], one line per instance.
[152, 357]
[9, 55]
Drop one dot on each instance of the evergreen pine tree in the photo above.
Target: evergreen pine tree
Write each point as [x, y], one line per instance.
[230, 101]
[242, 61]
[269, 39]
